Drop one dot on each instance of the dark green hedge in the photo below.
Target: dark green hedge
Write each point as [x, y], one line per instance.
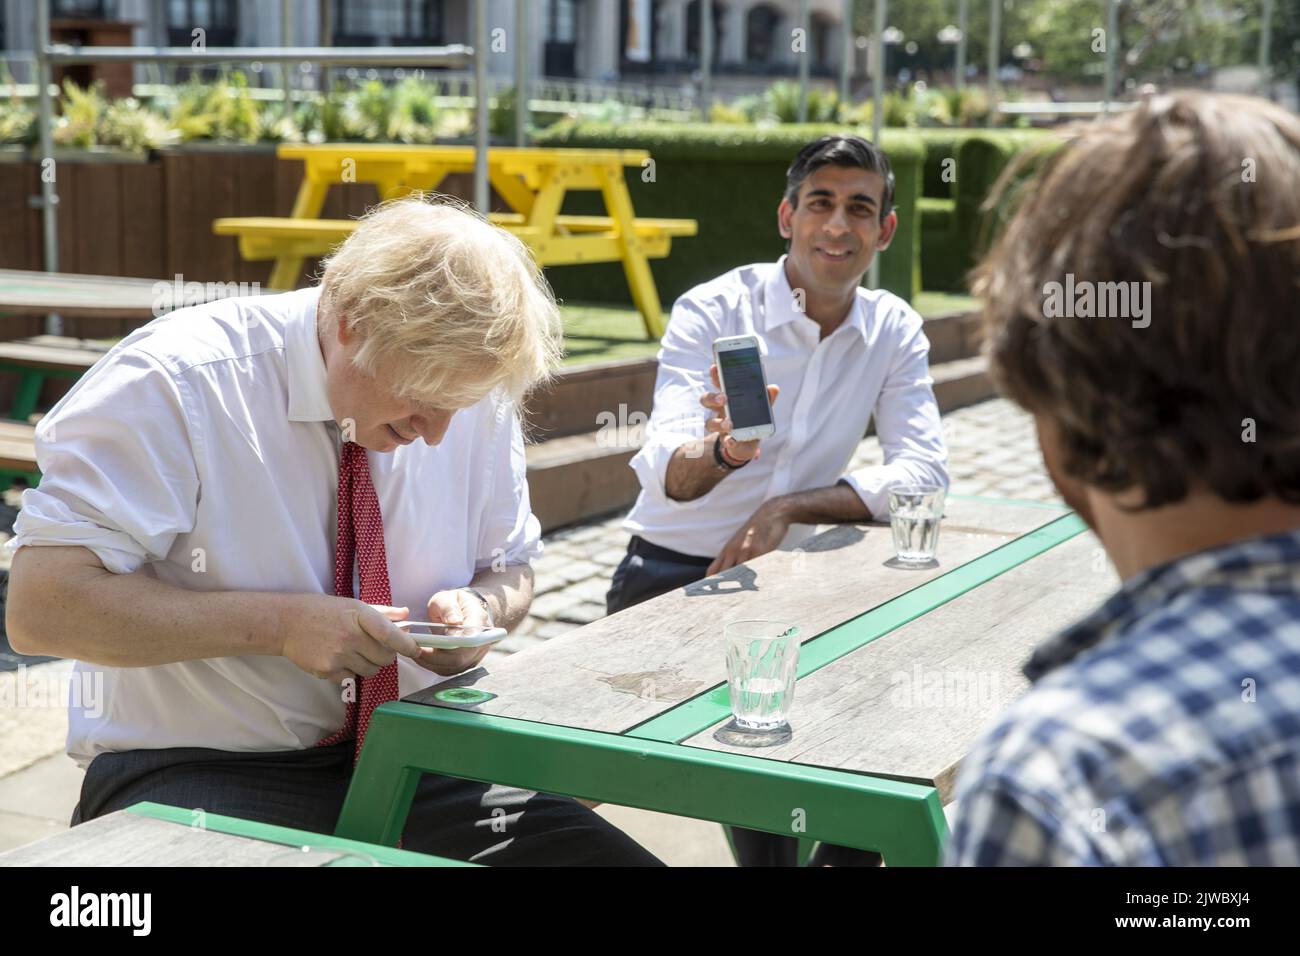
[952, 242]
[730, 179]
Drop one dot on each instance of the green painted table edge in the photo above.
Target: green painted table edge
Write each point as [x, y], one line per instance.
[714, 705]
[904, 821]
[270, 833]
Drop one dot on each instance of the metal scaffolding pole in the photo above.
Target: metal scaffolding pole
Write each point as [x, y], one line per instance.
[846, 52]
[1265, 49]
[995, 46]
[1112, 49]
[878, 109]
[46, 55]
[480, 107]
[49, 169]
[286, 70]
[805, 17]
[521, 72]
[706, 56]
[963, 19]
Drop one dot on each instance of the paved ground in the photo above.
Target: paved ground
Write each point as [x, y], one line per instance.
[993, 452]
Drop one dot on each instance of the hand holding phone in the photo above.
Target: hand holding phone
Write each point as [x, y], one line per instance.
[743, 404]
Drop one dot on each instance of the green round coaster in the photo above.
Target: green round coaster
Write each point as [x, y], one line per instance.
[462, 695]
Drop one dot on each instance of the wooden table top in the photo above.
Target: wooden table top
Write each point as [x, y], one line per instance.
[658, 670]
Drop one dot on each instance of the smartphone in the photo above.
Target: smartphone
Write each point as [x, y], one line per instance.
[744, 382]
[448, 636]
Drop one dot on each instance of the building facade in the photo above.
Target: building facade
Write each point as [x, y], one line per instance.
[604, 40]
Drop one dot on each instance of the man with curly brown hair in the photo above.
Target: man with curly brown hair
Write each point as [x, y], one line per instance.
[1164, 728]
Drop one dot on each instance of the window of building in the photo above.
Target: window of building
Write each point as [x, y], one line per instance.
[219, 20]
[560, 28]
[84, 9]
[760, 33]
[693, 29]
[387, 22]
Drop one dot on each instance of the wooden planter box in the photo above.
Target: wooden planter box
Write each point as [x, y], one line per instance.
[151, 216]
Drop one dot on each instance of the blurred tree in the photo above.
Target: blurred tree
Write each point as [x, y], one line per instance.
[1159, 40]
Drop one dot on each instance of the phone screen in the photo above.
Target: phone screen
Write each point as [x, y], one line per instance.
[742, 374]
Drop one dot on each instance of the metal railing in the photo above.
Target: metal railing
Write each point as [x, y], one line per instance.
[47, 55]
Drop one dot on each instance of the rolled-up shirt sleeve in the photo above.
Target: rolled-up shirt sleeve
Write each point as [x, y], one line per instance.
[118, 474]
[511, 533]
[907, 426]
[685, 354]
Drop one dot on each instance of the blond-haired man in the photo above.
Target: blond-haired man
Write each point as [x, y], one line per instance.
[208, 488]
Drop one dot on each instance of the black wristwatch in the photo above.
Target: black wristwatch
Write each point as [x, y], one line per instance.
[722, 461]
[484, 601]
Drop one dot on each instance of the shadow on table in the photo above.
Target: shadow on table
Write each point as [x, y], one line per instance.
[744, 578]
[739, 578]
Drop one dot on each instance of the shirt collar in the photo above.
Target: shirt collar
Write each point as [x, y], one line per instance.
[308, 398]
[778, 306]
[1266, 562]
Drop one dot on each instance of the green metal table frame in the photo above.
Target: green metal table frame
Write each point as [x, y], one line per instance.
[26, 397]
[270, 833]
[648, 767]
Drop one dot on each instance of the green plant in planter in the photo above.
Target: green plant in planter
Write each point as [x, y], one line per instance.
[501, 114]
[373, 110]
[415, 116]
[899, 110]
[783, 102]
[79, 114]
[223, 111]
[129, 125]
[17, 121]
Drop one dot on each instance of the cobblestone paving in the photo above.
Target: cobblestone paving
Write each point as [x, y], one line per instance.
[992, 451]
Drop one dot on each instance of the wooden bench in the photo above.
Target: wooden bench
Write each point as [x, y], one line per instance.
[37, 358]
[534, 182]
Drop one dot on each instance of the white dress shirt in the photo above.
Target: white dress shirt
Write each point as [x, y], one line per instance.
[875, 362]
[202, 450]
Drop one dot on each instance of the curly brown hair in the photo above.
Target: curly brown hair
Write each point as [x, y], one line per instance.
[1199, 195]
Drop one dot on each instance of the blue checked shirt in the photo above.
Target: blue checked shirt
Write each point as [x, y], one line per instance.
[1162, 730]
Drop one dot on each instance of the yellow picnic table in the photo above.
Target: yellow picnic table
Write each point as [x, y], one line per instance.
[533, 182]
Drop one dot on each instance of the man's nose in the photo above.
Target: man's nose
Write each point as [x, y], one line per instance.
[431, 428]
[837, 223]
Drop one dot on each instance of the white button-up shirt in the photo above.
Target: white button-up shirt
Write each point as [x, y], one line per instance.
[202, 450]
[875, 362]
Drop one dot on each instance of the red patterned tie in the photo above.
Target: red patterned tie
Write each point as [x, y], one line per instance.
[361, 534]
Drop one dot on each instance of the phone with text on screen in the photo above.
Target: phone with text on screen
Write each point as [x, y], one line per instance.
[744, 382]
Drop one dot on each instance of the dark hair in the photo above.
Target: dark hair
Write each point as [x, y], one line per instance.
[851, 151]
[1166, 194]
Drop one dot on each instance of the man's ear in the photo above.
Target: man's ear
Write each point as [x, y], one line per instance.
[887, 231]
[785, 218]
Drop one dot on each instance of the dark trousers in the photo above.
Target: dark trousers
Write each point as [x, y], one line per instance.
[647, 571]
[304, 789]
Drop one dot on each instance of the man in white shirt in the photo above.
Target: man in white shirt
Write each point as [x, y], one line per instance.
[181, 545]
[837, 355]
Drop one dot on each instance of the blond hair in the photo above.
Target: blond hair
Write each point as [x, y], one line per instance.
[451, 305]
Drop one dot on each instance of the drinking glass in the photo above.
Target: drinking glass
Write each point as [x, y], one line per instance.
[762, 662]
[914, 515]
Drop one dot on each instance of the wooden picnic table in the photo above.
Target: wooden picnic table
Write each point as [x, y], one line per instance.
[154, 834]
[624, 710]
[534, 182]
[69, 294]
